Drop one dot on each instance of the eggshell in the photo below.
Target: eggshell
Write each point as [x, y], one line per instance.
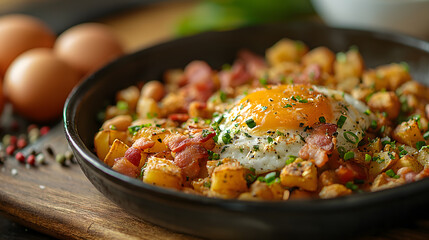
[19, 33]
[87, 47]
[37, 84]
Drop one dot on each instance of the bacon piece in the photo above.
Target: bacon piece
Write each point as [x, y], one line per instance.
[255, 65]
[143, 143]
[179, 117]
[319, 143]
[189, 160]
[177, 142]
[234, 77]
[350, 171]
[200, 85]
[125, 167]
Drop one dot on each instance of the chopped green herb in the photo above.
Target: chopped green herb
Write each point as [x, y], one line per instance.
[392, 174]
[341, 151]
[226, 138]
[250, 123]
[341, 57]
[349, 155]
[373, 124]
[263, 81]
[405, 66]
[222, 96]
[350, 185]
[291, 159]
[322, 119]
[207, 184]
[367, 112]
[368, 158]
[420, 144]
[250, 178]
[112, 127]
[279, 133]
[382, 129]
[213, 155]
[255, 148]
[287, 106]
[426, 135]
[351, 137]
[341, 121]
[151, 115]
[122, 105]
[270, 139]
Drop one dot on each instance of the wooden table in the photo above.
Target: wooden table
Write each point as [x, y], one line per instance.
[59, 202]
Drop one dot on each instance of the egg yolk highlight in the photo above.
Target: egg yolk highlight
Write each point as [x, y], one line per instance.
[282, 107]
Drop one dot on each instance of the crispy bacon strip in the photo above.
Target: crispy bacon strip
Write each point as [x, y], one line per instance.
[319, 143]
[255, 64]
[178, 142]
[234, 77]
[199, 78]
[189, 160]
[143, 143]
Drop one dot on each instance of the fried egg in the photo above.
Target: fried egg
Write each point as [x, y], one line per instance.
[264, 128]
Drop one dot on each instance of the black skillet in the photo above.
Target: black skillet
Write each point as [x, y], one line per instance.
[232, 219]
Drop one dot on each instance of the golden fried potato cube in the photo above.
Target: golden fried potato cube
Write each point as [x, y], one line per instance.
[423, 157]
[105, 138]
[321, 56]
[328, 177]
[414, 88]
[286, 50]
[126, 167]
[201, 185]
[300, 174]
[408, 161]
[147, 108]
[155, 134]
[120, 123]
[408, 133]
[348, 65]
[374, 146]
[129, 95]
[386, 102]
[117, 150]
[162, 172]
[300, 194]
[333, 191]
[382, 161]
[382, 181]
[229, 180]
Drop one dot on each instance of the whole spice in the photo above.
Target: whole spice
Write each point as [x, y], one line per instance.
[31, 159]
[20, 157]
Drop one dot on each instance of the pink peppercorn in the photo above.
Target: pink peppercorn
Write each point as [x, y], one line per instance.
[31, 159]
[44, 130]
[13, 140]
[30, 127]
[10, 149]
[20, 157]
[21, 143]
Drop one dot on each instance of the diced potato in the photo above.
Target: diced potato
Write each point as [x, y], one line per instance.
[129, 95]
[350, 65]
[300, 194]
[147, 108]
[382, 181]
[382, 161]
[321, 56]
[104, 139]
[229, 180]
[408, 133]
[414, 88]
[300, 174]
[117, 150]
[333, 191]
[155, 134]
[153, 89]
[360, 93]
[212, 164]
[120, 123]
[201, 185]
[199, 109]
[371, 80]
[423, 157]
[173, 102]
[258, 191]
[408, 161]
[101, 143]
[374, 146]
[348, 84]
[126, 167]
[162, 172]
[328, 177]
[286, 50]
[386, 102]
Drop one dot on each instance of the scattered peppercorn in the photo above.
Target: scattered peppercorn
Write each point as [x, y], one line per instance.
[40, 158]
[10, 150]
[22, 143]
[49, 150]
[44, 130]
[60, 158]
[20, 157]
[31, 159]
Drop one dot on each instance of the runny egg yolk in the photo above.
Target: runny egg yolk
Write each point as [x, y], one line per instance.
[283, 107]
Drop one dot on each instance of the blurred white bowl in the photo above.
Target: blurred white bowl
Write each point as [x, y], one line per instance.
[405, 16]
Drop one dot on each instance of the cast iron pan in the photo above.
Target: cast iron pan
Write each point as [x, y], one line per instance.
[232, 219]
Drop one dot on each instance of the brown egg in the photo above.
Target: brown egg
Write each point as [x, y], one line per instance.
[88, 46]
[19, 33]
[37, 84]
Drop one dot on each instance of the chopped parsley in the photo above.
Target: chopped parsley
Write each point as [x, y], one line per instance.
[392, 174]
[122, 105]
[250, 123]
[213, 155]
[341, 121]
[222, 96]
[322, 119]
[287, 106]
[226, 138]
[368, 158]
[349, 155]
[255, 148]
[270, 140]
[291, 159]
[420, 144]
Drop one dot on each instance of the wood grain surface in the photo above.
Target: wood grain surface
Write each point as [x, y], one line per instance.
[60, 202]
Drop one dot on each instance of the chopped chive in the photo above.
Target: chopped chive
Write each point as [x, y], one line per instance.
[350, 185]
[255, 148]
[405, 66]
[270, 139]
[382, 129]
[341, 121]
[373, 124]
[347, 137]
[349, 155]
[341, 151]
[250, 123]
[122, 105]
[392, 174]
[287, 106]
[322, 119]
[368, 158]
[264, 108]
[263, 81]
[426, 135]
[226, 138]
[367, 112]
[341, 57]
[420, 144]
[291, 159]
[222, 96]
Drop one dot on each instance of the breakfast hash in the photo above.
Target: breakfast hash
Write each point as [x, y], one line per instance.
[297, 123]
